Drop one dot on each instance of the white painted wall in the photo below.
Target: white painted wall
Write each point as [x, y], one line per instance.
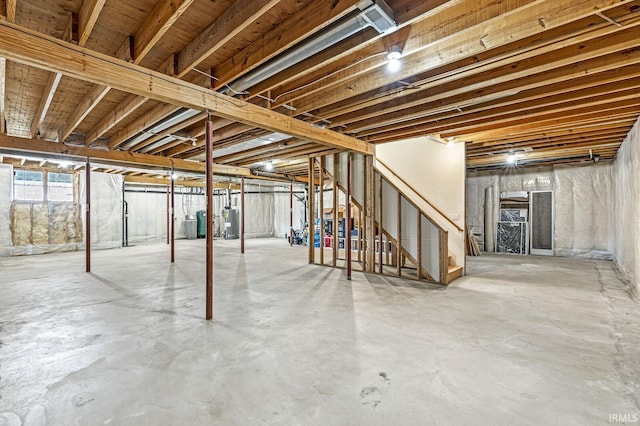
[437, 172]
[626, 211]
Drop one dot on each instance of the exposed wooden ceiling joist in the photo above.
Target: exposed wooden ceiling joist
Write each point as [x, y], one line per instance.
[62, 151]
[31, 48]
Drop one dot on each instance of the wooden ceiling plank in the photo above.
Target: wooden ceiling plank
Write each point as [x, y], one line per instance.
[89, 102]
[60, 150]
[297, 27]
[155, 25]
[544, 104]
[86, 105]
[87, 18]
[45, 102]
[119, 113]
[498, 31]
[233, 20]
[11, 7]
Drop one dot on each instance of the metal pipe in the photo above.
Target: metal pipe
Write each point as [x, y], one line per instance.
[173, 217]
[168, 214]
[209, 187]
[242, 215]
[88, 215]
[341, 31]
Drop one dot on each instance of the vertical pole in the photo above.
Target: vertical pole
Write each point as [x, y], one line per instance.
[168, 215]
[321, 208]
[399, 245]
[291, 214]
[173, 218]
[312, 211]
[347, 231]
[419, 245]
[88, 215]
[383, 247]
[242, 211]
[369, 213]
[209, 189]
[336, 209]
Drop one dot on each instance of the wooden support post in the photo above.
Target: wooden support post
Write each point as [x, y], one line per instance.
[347, 227]
[336, 207]
[369, 213]
[209, 218]
[383, 247]
[173, 217]
[291, 214]
[399, 241]
[242, 213]
[312, 213]
[168, 215]
[321, 208]
[88, 215]
[419, 245]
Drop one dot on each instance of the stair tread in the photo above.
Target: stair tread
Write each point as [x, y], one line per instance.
[453, 268]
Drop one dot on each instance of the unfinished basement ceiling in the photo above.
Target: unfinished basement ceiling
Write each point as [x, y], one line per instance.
[549, 81]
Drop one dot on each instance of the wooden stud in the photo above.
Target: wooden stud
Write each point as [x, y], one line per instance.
[87, 191]
[310, 238]
[323, 166]
[336, 209]
[3, 66]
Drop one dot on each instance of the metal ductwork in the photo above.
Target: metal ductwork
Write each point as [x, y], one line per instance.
[376, 14]
[180, 116]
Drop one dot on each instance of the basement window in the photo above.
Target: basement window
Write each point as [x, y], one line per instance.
[28, 185]
[60, 187]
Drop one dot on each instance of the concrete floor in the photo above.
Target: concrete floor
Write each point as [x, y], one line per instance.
[521, 340]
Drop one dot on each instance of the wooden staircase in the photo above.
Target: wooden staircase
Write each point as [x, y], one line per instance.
[453, 271]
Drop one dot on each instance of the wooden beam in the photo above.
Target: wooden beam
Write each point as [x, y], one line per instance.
[156, 24]
[41, 51]
[87, 18]
[475, 40]
[11, 6]
[235, 19]
[86, 105]
[3, 67]
[45, 103]
[119, 113]
[59, 150]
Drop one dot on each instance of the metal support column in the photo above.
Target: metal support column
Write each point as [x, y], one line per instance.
[242, 211]
[209, 189]
[88, 215]
[173, 217]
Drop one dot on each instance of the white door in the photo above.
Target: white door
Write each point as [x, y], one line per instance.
[541, 220]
